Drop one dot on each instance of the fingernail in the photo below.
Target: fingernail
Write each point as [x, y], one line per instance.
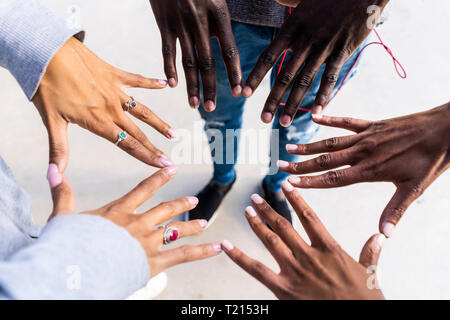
[282, 164]
[193, 200]
[285, 120]
[165, 161]
[172, 82]
[380, 240]
[287, 186]
[388, 229]
[317, 109]
[217, 247]
[250, 211]
[210, 106]
[256, 198]
[54, 177]
[203, 223]
[172, 170]
[316, 116]
[247, 92]
[291, 147]
[227, 245]
[163, 82]
[237, 91]
[266, 117]
[172, 134]
[194, 102]
[294, 180]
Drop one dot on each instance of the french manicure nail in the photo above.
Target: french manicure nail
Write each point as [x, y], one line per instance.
[250, 211]
[172, 170]
[165, 161]
[172, 134]
[217, 247]
[193, 200]
[388, 229]
[163, 82]
[256, 198]
[291, 147]
[54, 177]
[203, 223]
[247, 92]
[227, 245]
[294, 180]
[287, 186]
[282, 164]
[266, 117]
[237, 91]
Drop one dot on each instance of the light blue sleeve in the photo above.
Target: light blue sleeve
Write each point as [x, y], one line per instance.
[30, 35]
[77, 256]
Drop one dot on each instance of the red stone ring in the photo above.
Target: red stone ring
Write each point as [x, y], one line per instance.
[170, 234]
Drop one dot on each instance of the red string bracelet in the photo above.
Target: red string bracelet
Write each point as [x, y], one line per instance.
[398, 66]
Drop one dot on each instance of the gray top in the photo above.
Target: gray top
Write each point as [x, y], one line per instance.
[261, 12]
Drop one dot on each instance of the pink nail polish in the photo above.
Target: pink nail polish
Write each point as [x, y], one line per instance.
[266, 117]
[172, 82]
[250, 211]
[282, 164]
[294, 180]
[227, 245]
[210, 106]
[316, 116]
[165, 161]
[203, 223]
[194, 102]
[285, 120]
[54, 177]
[291, 147]
[287, 186]
[172, 134]
[217, 247]
[237, 91]
[256, 198]
[380, 240]
[388, 229]
[163, 82]
[193, 200]
[247, 92]
[172, 170]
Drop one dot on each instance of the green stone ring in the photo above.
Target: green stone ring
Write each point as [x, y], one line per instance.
[122, 136]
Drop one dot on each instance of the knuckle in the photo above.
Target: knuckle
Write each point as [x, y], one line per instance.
[267, 59]
[221, 10]
[323, 161]
[286, 78]
[230, 53]
[304, 81]
[333, 177]
[146, 115]
[272, 239]
[331, 143]
[168, 51]
[377, 126]
[395, 213]
[331, 79]
[258, 268]
[308, 215]
[416, 190]
[189, 62]
[207, 64]
[281, 223]
[343, 53]
[186, 253]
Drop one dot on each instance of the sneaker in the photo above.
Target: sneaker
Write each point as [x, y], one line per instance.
[279, 205]
[209, 200]
[154, 287]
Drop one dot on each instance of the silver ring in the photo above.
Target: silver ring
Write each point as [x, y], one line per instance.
[120, 137]
[170, 234]
[130, 104]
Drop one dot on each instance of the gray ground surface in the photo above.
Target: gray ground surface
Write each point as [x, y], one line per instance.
[415, 261]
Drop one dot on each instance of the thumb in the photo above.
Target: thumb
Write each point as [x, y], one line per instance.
[370, 253]
[396, 208]
[58, 144]
[62, 193]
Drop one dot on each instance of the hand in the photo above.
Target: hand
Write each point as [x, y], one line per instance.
[78, 87]
[194, 22]
[321, 270]
[318, 32]
[410, 151]
[141, 226]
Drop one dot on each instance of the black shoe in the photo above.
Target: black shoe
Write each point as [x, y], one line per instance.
[279, 205]
[209, 200]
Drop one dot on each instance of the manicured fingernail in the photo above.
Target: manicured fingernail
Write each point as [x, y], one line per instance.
[193, 200]
[172, 170]
[317, 109]
[194, 102]
[237, 91]
[380, 240]
[247, 92]
[203, 223]
[172, 82]
[165, 161]
[316, 116]
[282, 164]
[217, 247]
[210, 106]
[287, 186]
[266, 117]
[250, 211]
[54, 177]
[172, 134]
[256, 198]
[285, 120]
[388, 229]
[291, 147]
[227, 245]
[163, 82]
[294, 180]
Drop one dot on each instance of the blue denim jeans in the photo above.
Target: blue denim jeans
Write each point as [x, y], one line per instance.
[251, 41]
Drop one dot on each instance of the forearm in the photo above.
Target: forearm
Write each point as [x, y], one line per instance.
[77, 256]
[30, 34]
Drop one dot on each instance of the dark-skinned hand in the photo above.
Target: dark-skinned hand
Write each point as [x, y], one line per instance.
[318, 32]
[194, 23]
[410, 151]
